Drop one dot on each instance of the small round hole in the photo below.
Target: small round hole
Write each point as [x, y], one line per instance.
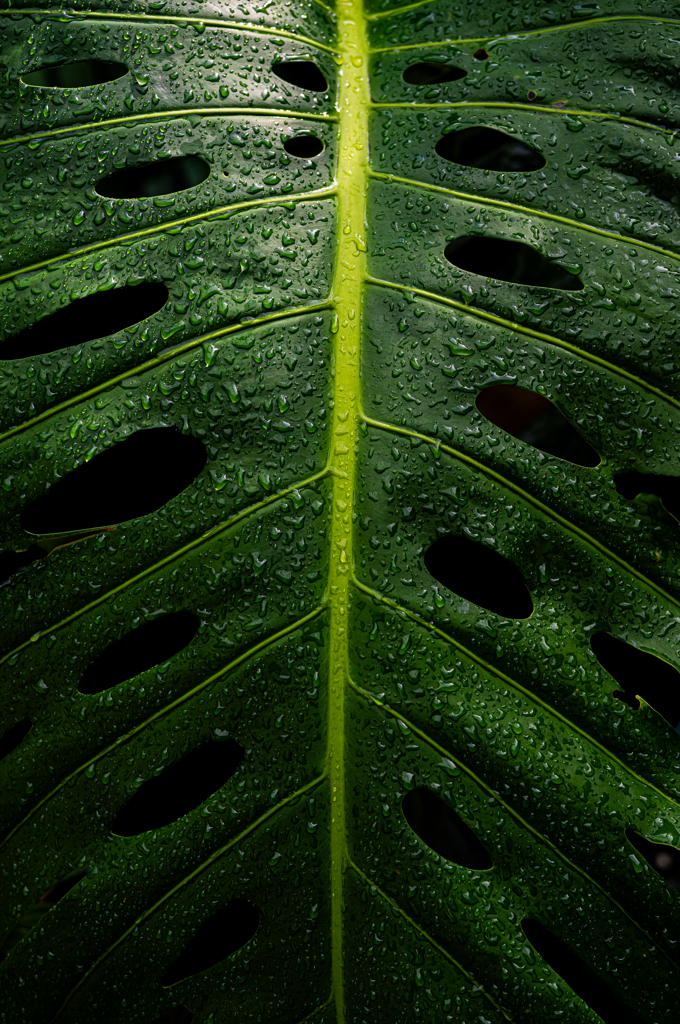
[531, 95]
[481, 54]
[304, 147]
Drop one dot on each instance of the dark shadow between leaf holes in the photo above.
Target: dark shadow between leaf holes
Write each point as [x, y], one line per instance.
[179, 788]
[443, 830]
[578, 975]
[94, 316]
[35, 913]
[488, 149]
[305, 74]
[13, 736]
[504, 260]
[175, 1015]
[479, 574]
[150, 644]
[534, 419]
[432, 72]
[77, 75]
[663, 858]
[134, 477]
[639, 674]
[159, 178]
[304, 147]
[667, 488]
[217, 938]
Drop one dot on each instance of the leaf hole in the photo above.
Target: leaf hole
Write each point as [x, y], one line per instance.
[304, 147]
[440, 828]
[481, 54]
[175, 1015]
[479, 574]
[578, 975]
[37, 910]
[510, 261]
[305, 74]
[667, 488]
[639, 674]
[94, 316]
[159, 178]
[488, 149]
[76, 75]
[217, 938]
[663, 858]
[135, 477]
[432, 72]
[179, 788]
[534, 419]
[150, 644]
[531, 95]
[13, 736]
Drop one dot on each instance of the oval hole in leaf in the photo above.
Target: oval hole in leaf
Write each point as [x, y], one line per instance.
[75, 76]
[488, 149]
[175, 1015]
[134, 477]
[304, 147]
[667, 488]
[504, 260]
[479, 574]
[35, 913]
[663, 858]
[150, 644]
[305, 74]
[534, 419]
[481, 54]
[159, 178]
[578, 975]
[94, 316]
[432, 72]
[217, 938]
[179, 788]
[639, 674]
[443, 831]
[11, 739]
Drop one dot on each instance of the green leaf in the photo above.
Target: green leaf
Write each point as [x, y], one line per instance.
[340, 412]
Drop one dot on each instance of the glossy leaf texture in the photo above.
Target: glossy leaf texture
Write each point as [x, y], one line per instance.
[339, 558]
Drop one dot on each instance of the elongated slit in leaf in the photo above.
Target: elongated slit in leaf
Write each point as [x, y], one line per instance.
[663, 858]
[431, 72]
[479, 574]
[159, 178]
[440, 828]
[217, 938]
[667, 488]
[534, 419]
[488, 149]
[150, 644]
[578, 975]
[640, 675]
[95, 316]
[304, 74]
[13, 736]
[133, 478]
[505, 260]
[179, 788]
[304, 147]
[77, 75]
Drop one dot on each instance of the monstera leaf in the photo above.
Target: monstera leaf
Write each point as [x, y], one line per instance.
[341, 421]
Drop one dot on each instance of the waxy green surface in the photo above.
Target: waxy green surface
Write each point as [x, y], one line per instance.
[328, 356]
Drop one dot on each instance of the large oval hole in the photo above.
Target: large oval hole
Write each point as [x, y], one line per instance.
[443, 831]
[639, 674]
[94, 316]
[160, 178]
[432, 72]
[663, 858]
[148, 645]
[304, 147]
[217, 938]
[488, 149]
[175, 1015]
[11, 739]
[667, 488]
[305, 74]
[578, 975]
[179, 788]
[479, 574]
[504, 260]
[36, 912]
[134, 477]
[533, 418]
[75, 76]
